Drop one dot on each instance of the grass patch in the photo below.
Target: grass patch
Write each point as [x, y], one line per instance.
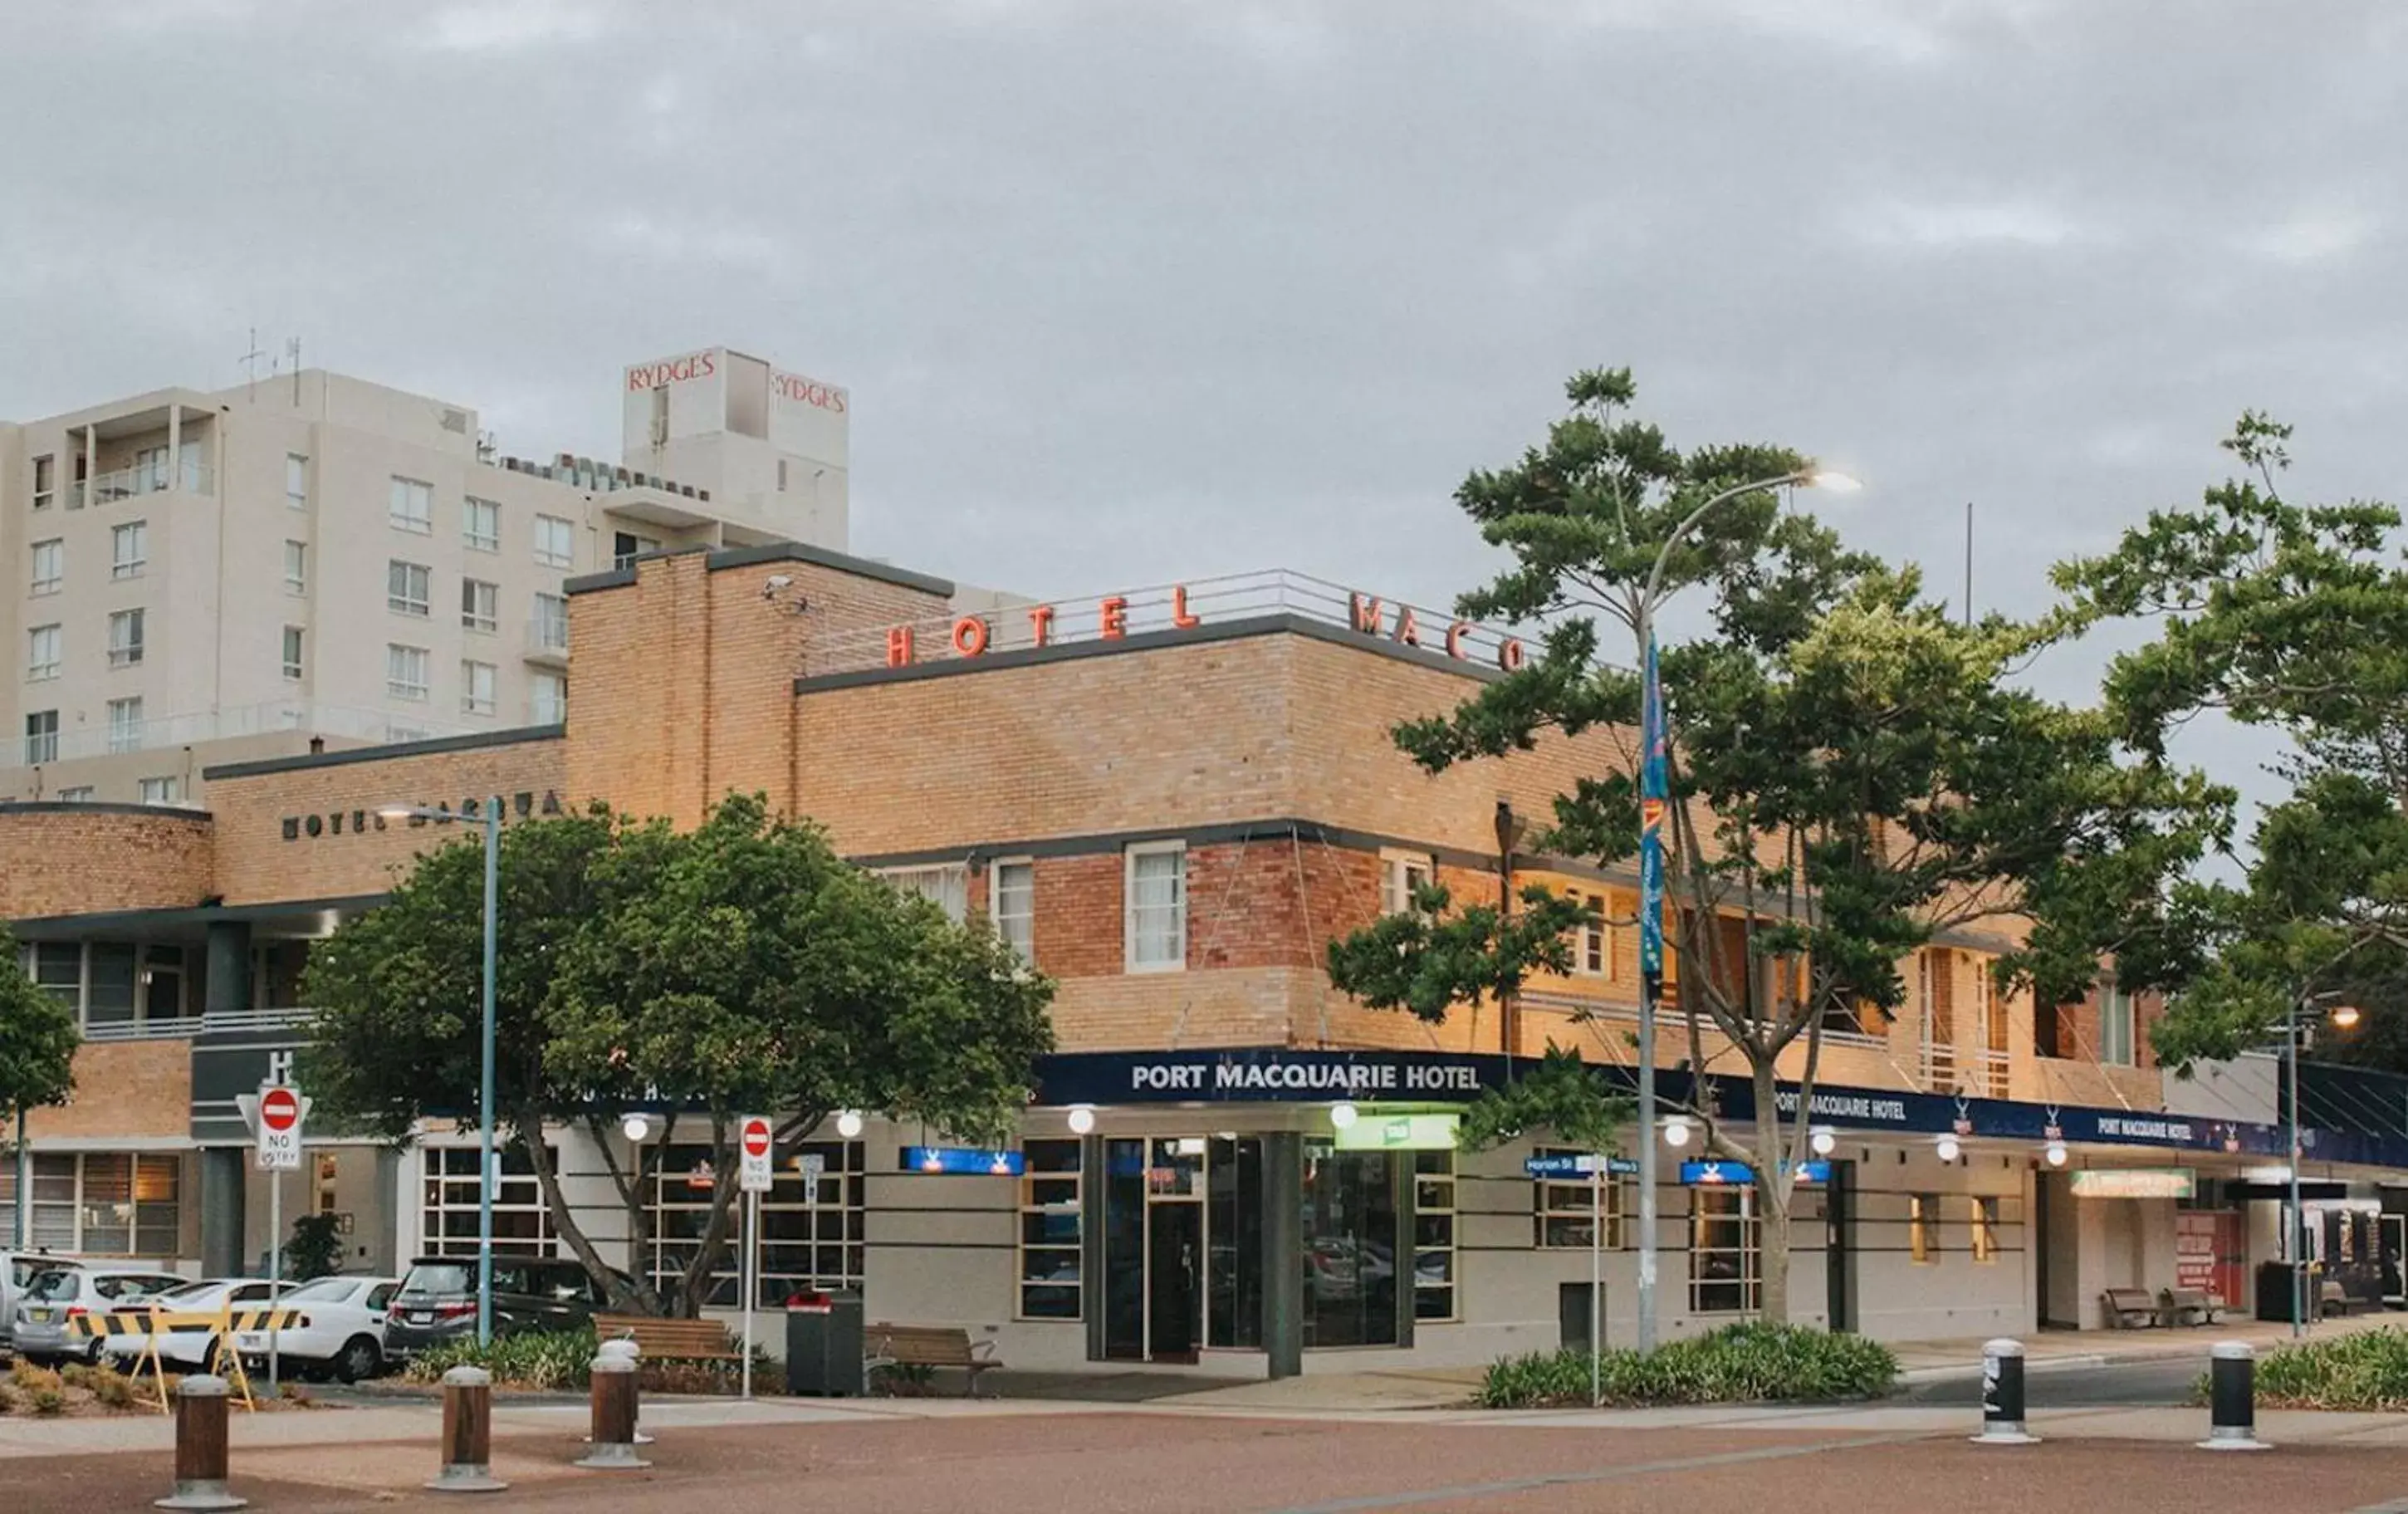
[30, 1379]
[2367, 1371]
[1741, 1364]
[49, 1403]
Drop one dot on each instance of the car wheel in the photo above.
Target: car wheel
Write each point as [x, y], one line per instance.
[358, 1360]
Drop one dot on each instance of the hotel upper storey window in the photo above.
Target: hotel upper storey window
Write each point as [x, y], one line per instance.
[947, 886]
[1402, 875]
[1155, 924]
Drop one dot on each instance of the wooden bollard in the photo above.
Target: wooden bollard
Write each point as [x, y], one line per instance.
[201, 1446]
[468, 1433]
[635, 1356]
[614, 1416]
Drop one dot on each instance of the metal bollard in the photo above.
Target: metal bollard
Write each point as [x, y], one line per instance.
[635, 1357]
[614, 1416]
[2232, 1399]
[2002, 1396]
[201, 1446]
[468, 1433]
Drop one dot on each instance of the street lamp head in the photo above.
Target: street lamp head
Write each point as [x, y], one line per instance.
[2344, 1016]
[1832, 479]
[396, 812]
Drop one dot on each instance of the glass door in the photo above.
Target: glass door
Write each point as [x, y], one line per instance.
[1182, 1247]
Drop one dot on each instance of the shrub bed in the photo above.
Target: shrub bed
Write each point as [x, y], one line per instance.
[2368, 1370]
[542, 1360]
[1738, 1363]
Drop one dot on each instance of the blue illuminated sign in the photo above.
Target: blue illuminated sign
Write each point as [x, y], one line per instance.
[1729, 1174]
[962, 1160]
[1575, 1165]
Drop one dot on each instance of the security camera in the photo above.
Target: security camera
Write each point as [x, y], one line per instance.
[776, 582]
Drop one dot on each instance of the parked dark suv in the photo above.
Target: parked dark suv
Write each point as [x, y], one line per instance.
[438, 1301]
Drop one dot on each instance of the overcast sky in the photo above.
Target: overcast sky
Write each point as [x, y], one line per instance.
[1128, 293]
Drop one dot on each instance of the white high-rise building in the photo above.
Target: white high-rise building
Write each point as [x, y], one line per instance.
[199, 577]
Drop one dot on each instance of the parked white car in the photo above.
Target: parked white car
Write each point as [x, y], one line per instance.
[44, 1329]
[187, 1351]
[345, 1333]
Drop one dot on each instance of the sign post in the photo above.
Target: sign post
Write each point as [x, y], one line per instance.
[753, 1141]
[275, 1115]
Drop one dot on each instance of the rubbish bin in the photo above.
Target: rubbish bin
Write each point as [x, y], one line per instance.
[824, 1344]
[1571, 1315]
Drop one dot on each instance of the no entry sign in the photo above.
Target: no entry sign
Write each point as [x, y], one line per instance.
[752, 1143]
[280, 1109]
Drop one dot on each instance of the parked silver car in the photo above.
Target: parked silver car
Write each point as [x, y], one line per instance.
[60, 1295]
[17, 1270]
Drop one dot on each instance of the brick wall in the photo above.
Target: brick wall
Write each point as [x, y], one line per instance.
[260, 858]
[124, 1090]
[80, 859]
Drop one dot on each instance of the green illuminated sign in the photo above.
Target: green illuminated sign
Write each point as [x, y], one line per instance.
[1375, 1131]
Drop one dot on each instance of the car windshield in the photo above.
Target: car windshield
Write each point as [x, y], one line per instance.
[325, 1290]
[53, 1286]
[191, 1290]
[441, 1277]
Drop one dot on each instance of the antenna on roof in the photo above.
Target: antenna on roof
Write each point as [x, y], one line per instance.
[293, 351]
[250, 362]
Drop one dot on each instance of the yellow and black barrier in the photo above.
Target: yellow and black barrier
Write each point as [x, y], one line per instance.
[225, 1324]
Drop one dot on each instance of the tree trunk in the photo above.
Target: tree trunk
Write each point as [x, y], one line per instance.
[628, 1297]
[1772, 1190]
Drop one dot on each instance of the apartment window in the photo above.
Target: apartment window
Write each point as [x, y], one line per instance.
[76, 794]
[50, 565]
[477, 680]
[296, 567]
[1155, 927]
[1433, 1234]
[294, 664]
[411, 507]
[125, 639]
[556, 541]
[125, 725]
[947, 887]
[1725, 1257]
[1050, 1231]
[405, 672]
[41, 737]
[448, 1208]
[550, 622]
[405, 587]
[100, 1204]
[1985, 1228]
[481, 604]
[1566, 1210]
[1402, 875]
[46, 483]
[812, 1229]
[547, 698]
[129, 549]
[149, 469]
[1012, 903]
[168, 790]
[481, 525]
[626, 546]
[1922, 1226]
[296, 481]
[41, 653]
[1593, 942]
[2116, 1038]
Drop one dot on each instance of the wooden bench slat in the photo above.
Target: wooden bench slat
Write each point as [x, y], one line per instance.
[927, 1345]
[691, 1340]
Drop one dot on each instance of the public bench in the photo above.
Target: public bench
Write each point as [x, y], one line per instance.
[2129, 1308]
[2191, 1307]
[671, 1340]
[2332, 1299]
[927, 1348]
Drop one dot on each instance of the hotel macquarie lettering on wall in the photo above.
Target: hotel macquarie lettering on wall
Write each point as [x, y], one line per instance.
[1271, 1079]
[521, 806]
[971, 636]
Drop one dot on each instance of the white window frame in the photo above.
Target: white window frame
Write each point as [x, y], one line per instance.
[490, 620]
[793, 1259]
[1558, 1203]
[51, 555]
[449, 1177]
[1132, 960]
[166, 790]
[549, 622]
[1593, 944]
[945, 885]
[2119, 1026]
[45, 647]
[1050, 1194]
[296, 481]
[296, 652]
[41, 746]
[410, 506]
[409, 588]
[1014, 917]
[297, 567]
[125, 563]
[1749, 1253]
[76, 794]
[161, 1218]
[126, 638]
[565, 555]
[1397, 871]
[473, 538]
[398, 656]
[46, 480]
[470, 672]
[125, 725]
[544, 711]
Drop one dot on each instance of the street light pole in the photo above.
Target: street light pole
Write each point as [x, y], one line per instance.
[1651, 871]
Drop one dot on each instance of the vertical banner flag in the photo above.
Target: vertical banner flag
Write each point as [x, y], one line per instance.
[1653, 794]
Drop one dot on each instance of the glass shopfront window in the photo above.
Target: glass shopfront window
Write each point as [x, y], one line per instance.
[1234, 1222]
[1350, 1246]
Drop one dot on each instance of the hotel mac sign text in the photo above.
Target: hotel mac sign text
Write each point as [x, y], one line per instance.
[971, 636]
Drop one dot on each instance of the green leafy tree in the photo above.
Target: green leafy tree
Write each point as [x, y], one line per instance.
[316, 1249]
[38, 1046]
[1853, 772]
[2292, 619]
[739, 968]
[1565, 1096]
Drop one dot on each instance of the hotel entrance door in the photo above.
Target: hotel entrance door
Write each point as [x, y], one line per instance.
[1182, 1245]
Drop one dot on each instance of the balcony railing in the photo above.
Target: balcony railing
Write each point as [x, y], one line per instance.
[186, 1026]
[141, 479]
[547, 638]
[1988, 1077]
